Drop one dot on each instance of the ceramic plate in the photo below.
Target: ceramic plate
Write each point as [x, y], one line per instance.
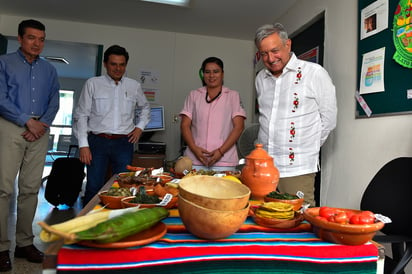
[142, 238]
[277, 223]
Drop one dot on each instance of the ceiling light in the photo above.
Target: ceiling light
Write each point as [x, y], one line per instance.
[182, 3]
[57, 59]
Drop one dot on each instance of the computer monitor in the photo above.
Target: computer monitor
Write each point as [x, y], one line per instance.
[157, 119]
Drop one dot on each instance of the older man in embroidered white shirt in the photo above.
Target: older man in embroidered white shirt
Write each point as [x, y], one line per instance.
[297, 110]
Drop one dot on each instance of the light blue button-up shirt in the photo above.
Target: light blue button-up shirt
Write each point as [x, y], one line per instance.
[27, 90]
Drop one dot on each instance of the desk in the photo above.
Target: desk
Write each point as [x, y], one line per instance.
[253, 249]
[148, 160]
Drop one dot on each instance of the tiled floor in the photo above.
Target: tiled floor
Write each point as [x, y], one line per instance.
[45, 211]
[50, 214]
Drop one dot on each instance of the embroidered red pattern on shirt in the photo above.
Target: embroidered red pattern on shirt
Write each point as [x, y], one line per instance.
[291, 156]
[292, 132]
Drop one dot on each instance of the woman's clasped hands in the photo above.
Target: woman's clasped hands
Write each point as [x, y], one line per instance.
[208, 158]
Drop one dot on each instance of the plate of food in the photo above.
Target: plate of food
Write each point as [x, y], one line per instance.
[276, 215]
[142, 238]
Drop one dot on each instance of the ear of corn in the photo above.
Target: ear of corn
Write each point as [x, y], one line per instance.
[83, 222]
[116, 228]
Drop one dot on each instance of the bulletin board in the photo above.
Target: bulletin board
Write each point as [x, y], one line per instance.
[397, 78]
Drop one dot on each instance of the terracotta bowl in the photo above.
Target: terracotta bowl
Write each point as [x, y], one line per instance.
[125, 202]
[209, 223]
[346, 234]
[297, 203]
[112, 202]
[214, 192]
[276, 223]
[128, 180]
[164, 178]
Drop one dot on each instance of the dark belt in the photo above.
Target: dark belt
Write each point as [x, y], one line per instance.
[111, 136]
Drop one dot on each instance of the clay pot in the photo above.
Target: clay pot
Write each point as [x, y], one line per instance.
[259, 173]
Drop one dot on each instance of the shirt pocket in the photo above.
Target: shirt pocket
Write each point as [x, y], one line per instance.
[129, 105]
[102, 103]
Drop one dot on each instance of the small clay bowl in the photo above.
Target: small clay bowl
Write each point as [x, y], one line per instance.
[164, 178]
[125, 202]
[274, 222]
[296, 203]
[112, 202]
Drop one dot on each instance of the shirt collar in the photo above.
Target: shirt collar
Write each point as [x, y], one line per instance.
[110, 80]
[224, 89]
[292, 65]
[20, 53]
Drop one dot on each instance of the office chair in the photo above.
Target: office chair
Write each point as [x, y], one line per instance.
[389, 193]
[51, 142]
[64, 143]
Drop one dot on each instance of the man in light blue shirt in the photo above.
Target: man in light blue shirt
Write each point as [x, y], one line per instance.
[29, 101]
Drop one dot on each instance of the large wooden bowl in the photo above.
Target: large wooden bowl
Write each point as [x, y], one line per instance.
[214, 192]
[208, 223]
[346, 234]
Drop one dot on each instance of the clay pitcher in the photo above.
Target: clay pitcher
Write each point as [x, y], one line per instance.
[259, 173]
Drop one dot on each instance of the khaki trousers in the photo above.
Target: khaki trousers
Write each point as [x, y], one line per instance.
[17, 156]
[304, 183]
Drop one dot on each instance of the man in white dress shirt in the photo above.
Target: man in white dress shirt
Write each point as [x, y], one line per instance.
[297, 110]
[105, 121]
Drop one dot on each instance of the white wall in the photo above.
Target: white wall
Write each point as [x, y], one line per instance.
[177, 57]
[359, 147]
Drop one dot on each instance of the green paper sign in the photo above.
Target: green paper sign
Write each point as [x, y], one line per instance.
[402, 33]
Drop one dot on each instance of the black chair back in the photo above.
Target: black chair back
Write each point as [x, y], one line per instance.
[389, 194]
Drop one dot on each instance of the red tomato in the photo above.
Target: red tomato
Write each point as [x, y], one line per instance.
[331, 219]
[366, 219]
[354, 219]
[362, 218]
[341, 218]
[368, 213]
[349, 213]
[326, 212]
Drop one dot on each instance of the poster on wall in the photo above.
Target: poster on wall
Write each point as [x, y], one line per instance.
[402, 33]
[372, 72]
[149, 79]
[374, 18]
[151, 94]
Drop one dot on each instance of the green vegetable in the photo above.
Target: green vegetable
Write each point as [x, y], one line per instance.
[282, 196]
[142, 197]
[116, 228]
[118, 191]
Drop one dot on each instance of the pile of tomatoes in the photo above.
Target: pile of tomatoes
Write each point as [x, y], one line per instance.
[343, 216]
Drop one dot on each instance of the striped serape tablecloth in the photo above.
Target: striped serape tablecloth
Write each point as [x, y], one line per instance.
[253, 249]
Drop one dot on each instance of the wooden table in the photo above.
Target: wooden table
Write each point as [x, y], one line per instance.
[253, 249]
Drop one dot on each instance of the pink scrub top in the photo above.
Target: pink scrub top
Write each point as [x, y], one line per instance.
[212, 122]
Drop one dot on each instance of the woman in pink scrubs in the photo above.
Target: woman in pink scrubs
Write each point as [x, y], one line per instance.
[212, 121]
